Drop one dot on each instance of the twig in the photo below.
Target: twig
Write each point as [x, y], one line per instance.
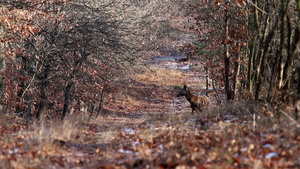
[288, 116]
[257, 7]
[31, 80]
[216, 92]
[254, 122]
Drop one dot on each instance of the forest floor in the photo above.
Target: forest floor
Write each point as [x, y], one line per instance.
[145, 126]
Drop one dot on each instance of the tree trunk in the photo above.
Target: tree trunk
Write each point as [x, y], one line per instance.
[207, 82]
[298, 5]
[215, 87]
[101, 100]
[43, 92]
[228, 89]
[2, 68]
[272, 81]
[294, 45]
[263, 59]
[250, 65]
[76, 67]
[237, 84]
[277, 67]
[256, 18]
[298, 87]
[67, 100]
[284, 8]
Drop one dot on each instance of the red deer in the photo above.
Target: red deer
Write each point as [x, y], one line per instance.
[198, 103]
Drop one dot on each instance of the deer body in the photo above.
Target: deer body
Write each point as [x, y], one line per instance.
[197, 102]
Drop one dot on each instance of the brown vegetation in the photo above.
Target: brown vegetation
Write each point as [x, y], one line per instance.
[79, 89]
[237, 135]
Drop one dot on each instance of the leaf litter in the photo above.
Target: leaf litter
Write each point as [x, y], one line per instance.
[164, 135]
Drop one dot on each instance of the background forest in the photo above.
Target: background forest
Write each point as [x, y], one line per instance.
[79, 87]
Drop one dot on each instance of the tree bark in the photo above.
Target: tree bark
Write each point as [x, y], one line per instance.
[261, 70]
[250, 65]
[2, 68]
[284, 8]
[298, 5]
[101, 100]
[67, 100]
[277, 67]
[43, 92]
[298, 87]
[294, 45]
[228, 89]
[236, 80]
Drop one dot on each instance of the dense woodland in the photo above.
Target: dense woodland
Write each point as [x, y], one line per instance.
[56, 54]
[252, 47]
[62, 58]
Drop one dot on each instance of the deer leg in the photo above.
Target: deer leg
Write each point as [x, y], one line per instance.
[193, 108]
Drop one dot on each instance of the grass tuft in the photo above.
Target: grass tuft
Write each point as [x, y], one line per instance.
[160, 76]
[49, 133]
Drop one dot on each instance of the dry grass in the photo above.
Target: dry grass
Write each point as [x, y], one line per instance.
[48, 133]
[167, 140]
[161, 136]
[160, 76]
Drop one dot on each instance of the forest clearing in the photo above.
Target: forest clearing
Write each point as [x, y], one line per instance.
[123, 84]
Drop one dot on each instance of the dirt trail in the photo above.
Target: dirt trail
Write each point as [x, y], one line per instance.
[154, 90]
[145, 126]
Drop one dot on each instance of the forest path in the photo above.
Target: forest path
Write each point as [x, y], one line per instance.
[145, 126]
[153, 90]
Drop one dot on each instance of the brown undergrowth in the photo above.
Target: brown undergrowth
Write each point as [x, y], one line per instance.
[145, 126]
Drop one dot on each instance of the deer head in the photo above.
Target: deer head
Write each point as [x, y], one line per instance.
[183, 92]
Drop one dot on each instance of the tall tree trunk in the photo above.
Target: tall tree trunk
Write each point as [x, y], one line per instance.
[263, 59]
[67, 100]
[236, 80]
[228, 89]
[252, 46]
[43, 92]
[298, 87]
[298, 5]
[292, 48]
[277, 67]
[272, 81]
[76, 67]
[256, 19]
[101, 100]
[259, 60]
[284, 7]
[19, 109]
[2, 68]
